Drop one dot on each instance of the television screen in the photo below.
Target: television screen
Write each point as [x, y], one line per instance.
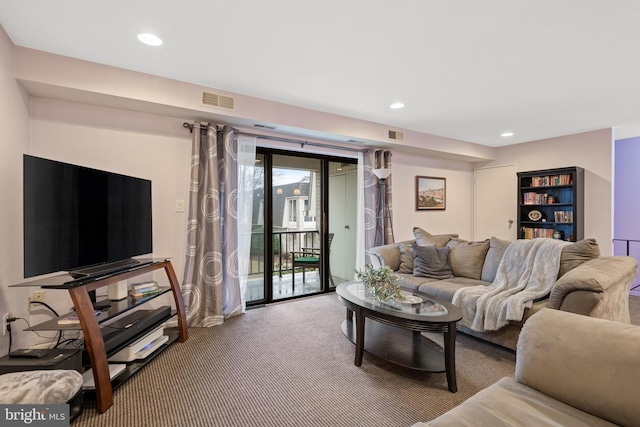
[76, 216]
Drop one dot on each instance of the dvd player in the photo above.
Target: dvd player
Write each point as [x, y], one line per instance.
[141, 347]
[126, 328]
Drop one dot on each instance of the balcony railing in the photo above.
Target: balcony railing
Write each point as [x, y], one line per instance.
[284, 243]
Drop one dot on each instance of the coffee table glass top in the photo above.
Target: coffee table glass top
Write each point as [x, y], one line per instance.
[411, 303]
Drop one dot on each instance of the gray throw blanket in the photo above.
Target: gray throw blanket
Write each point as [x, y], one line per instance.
[53, 386]
[527, 271]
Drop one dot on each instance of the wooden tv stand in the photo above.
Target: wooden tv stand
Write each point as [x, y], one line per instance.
[90, 323]
[91, 329]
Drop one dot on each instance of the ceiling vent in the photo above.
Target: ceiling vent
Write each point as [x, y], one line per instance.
[397, 135]
[218, 101]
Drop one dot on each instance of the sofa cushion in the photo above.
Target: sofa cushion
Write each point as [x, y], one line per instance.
[411, 283]
[424, 238]
[406, 258]
[575, 254]
[432, 262]
[492, 260]
[445, 289]
[467, 258]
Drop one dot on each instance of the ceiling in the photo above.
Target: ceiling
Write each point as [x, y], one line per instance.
[464, 69]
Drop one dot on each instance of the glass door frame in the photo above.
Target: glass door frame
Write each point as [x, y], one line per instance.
[268, 219]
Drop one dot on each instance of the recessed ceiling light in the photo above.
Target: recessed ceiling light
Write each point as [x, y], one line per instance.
[150, 39]
[396, 105]
[506, 134]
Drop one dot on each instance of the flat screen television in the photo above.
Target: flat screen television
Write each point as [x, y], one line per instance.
[82, 220]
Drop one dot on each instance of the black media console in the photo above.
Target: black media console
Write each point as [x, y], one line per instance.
[126, 328]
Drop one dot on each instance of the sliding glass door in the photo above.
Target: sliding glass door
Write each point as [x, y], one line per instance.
[257, 261]
[295, 245]
[297, 225]
[342, 226]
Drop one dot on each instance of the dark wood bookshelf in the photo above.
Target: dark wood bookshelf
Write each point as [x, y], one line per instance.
[551, 203]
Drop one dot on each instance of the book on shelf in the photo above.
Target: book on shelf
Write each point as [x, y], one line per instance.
[533, 198]
[551, 180]
[72, 318]
[144, 286]
[563, 216]
[147, 293]
[532, 233]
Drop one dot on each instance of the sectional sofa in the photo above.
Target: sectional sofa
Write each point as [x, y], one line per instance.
[586, 283]
[562, 379]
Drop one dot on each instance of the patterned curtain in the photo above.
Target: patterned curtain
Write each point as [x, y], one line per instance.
[370, 202]
[384, 230]
[378, 230]
[211, 285]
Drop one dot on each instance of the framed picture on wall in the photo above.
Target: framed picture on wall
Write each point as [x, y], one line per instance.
[430, 193]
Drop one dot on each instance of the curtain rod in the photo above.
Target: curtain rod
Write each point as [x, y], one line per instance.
[303, 143]
[189, 126]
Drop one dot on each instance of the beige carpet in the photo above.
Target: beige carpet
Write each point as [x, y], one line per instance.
[290, 365]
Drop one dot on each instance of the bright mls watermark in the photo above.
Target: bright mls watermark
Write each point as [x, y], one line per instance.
[34, 415]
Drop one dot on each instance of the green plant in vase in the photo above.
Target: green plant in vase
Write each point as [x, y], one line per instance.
[380, 283]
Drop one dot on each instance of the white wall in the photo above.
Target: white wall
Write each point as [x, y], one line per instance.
[61, 77]
[137, 144]
[14, 139]
[142, 145]
[591, 151]
[458, 215]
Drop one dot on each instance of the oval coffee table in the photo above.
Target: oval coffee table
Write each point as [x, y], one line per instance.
[394, 334]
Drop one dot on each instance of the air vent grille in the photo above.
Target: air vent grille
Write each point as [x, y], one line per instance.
[217, 100]
[397, 135]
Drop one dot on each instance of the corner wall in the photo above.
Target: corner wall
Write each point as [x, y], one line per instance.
[14, 141]
[589, 150]
[458, 214]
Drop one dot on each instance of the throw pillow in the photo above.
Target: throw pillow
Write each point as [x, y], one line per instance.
[575, 254]
[406, 258]
[454, 241]
[492, 260]
[424, 238]
[432, 262]
[467, 258]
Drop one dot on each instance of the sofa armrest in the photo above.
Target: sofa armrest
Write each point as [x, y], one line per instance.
[387, 255]
[597, 288]
[590, 364]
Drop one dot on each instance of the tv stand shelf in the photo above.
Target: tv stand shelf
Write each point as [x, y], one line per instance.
[117, 308]
[90, 323]
[132, 368]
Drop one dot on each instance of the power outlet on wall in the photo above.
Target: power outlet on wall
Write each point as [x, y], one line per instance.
[4, 323]
[35, 296]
